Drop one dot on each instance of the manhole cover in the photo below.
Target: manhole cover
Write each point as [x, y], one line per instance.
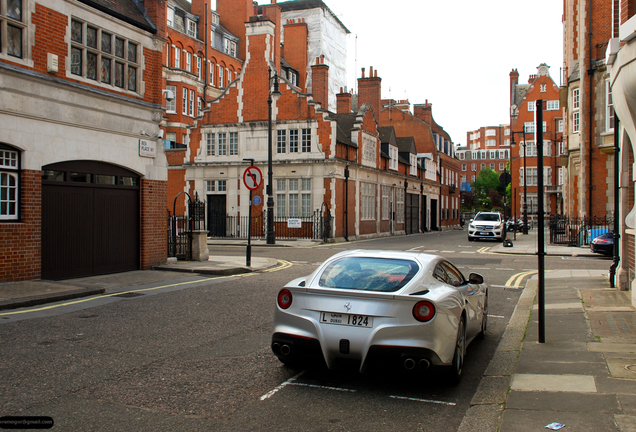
[128, 295]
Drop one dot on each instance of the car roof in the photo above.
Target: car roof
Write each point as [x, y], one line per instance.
[423, 258]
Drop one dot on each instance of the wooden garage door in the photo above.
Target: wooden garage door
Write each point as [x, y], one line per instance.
[90, 220]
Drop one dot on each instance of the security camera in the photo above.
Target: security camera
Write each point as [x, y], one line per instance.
[160, 136]
[168, 94]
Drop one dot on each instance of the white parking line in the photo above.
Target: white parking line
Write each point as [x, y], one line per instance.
[423, 400]
[323, 387]
[280, 387]
[505, 286]
[448, 252]
[505, 269]
[495, 316]
[468, 252]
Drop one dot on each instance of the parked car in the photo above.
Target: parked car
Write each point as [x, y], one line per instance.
[486, 225]
[603, 244]
[381, 309]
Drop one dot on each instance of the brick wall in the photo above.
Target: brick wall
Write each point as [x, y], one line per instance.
[20, 242]
[154, 223]
[50, 32]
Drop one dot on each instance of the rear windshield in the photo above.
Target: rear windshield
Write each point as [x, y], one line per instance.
[369, 274]
[487, 217]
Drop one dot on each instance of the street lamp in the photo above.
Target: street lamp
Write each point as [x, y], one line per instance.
[525, 176]
[273, 94]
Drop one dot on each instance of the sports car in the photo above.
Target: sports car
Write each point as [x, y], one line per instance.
[381, 309]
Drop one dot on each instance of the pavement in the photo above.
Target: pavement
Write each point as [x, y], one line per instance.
[582, 376]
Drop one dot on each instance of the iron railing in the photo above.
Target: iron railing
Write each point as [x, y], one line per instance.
[578, 231]
[317, 226]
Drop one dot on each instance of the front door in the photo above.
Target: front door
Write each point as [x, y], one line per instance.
[217, 215]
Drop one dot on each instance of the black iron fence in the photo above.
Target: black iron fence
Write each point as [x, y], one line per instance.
[180, 228]
[578, 231]
[317, 226]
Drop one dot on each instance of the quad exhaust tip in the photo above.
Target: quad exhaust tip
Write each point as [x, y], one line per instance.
[423, 364]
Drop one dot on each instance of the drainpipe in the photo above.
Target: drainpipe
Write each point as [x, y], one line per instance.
[346, 207]
[617, 236]
[590, 73]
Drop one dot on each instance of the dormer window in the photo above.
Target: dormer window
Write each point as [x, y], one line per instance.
[192, 28]
[230, 47]
[170, 17]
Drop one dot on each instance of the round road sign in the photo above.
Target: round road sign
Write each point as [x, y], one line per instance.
[252, 178]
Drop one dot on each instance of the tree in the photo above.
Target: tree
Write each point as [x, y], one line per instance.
[487, 189]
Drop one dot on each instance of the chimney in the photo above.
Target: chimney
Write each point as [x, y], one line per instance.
[514, 81]
[156, 11]
[344, 101]
[260, 31]
[369, 91]
[424, 112]
[296, 37]
[233, 14]
[201, 8]
[273, 11]
[320, 82]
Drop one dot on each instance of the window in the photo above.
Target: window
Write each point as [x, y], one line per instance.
[531, 106]
[184, 104]
[210, 144]
[177, 57]
[393, 155]
[501, 166]
[473, 167]
[222, 143]
[491, 143]
[552, 105]
[221, 76]
[367, 198]
[170, 17]
[9, 183]
[192, 103]
[529, 127]
[386, 210]
[198, 66]
[544, 88]
[216, 185]
[560, 126]
[103, 57]
[463, 167]
[192, 28]
[399, 205]
[212, 74]
[575, 99]
[491, 132]
[171, 105]
[575, 122]
[293, 141]
[13, 28]
[306, 141]
[609, 107]
[233, 143]
[293, 198]
[230, 47]
[281, 141]
[188, 63]
[492, 166]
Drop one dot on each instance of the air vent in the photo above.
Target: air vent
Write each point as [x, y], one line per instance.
[344, 346]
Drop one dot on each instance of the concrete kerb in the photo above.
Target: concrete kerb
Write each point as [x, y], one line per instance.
[488, 403]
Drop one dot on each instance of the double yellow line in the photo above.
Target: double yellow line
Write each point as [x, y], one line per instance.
[515, 280]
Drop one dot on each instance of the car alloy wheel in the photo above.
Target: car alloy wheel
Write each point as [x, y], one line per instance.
[457, 367]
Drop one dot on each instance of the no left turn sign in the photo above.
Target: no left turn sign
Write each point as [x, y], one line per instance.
[252, 178]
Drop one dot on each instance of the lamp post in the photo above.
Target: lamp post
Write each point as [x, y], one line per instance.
[270, 237]
[525, 176]
[248, 251]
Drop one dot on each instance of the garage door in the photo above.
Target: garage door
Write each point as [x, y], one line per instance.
[90, 220]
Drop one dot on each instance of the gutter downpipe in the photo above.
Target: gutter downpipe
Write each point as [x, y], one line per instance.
[590, 73]
[346, 207]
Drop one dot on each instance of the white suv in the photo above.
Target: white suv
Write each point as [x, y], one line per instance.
[486, 225]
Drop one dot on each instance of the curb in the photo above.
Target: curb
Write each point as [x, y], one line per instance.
[43, 299]
[488, 403]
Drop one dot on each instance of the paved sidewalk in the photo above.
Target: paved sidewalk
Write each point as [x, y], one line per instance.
[583, 376]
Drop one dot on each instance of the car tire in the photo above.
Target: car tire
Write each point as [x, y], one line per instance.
[470, 238]
[457, 368]
[484, 320]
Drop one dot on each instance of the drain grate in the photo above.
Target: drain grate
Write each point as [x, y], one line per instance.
[128, 295]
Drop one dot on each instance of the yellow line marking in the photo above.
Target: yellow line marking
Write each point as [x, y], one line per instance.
[283, 265]
[516, 279]
[483, 249]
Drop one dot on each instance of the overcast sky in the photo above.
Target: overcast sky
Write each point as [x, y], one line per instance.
[455, 54]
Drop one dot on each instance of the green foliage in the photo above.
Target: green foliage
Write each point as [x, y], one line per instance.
[487, 190]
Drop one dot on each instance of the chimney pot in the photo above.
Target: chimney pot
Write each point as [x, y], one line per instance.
[362, 72]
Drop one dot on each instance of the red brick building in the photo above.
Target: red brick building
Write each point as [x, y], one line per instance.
[524, 148]
[82, 175]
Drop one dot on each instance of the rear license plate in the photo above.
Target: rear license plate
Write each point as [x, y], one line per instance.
[346, 319]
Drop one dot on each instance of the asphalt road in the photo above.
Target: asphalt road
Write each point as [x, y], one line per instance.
[196, 356]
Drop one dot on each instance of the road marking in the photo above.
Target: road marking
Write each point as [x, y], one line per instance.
[483, 250]
[447, 252]
[423, 400]
[468, 252]
[516, 279]
[284, 265]
[505, 269]
[495, 316]
[281, 386]
[504, 286]
[323, 387]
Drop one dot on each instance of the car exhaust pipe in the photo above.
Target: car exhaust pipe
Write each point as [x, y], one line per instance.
[276, 347]
[424, 364]
[285, 350]
[409, 364]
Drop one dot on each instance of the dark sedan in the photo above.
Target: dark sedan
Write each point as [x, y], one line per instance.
[603, 244]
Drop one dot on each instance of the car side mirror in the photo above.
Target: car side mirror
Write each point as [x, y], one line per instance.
[470, 221]
[476, 278]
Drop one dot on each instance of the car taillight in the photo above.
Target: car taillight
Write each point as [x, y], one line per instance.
[597, 241]
[284, 298]
[424, 311]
